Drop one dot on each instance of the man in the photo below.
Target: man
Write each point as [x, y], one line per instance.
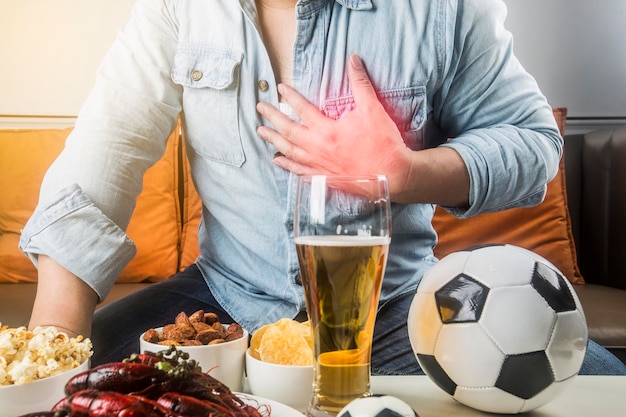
[296, 71]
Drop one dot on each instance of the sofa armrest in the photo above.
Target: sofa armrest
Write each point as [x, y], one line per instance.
[605, 311]
[602, 244]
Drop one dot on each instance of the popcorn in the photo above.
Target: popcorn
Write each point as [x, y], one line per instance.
[27, 356]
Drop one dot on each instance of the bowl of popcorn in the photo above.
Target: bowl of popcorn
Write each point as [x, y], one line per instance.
[279, 363]
[35, 365]
[219, 349]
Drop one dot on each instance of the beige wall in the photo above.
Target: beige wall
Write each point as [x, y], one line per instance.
[50, 50]
[576, 49]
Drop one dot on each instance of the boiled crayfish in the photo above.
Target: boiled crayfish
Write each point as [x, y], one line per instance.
[165, 384]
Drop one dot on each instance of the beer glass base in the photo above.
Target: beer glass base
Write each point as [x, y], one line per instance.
[313, 411]
[324, 409]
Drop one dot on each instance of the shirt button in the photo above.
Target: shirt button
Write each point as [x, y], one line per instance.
[264, 85]
[196, 75]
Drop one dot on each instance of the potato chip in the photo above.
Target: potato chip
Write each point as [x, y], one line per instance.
[255, 341]
[285, 342]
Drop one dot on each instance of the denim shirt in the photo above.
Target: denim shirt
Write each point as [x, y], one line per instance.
[444, 70]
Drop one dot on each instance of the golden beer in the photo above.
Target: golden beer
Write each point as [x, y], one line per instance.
[342, 277]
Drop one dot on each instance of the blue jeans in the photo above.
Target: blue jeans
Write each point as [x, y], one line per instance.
[117, 326]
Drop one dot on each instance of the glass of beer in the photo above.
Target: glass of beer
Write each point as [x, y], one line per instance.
[342, 235]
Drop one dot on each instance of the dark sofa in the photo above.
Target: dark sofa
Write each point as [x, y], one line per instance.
[595, 166]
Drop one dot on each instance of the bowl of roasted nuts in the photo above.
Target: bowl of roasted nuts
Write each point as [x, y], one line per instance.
[218, 348]
[35, 365]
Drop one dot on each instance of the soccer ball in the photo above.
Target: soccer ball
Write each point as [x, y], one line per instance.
[498, 328]
[377, 406]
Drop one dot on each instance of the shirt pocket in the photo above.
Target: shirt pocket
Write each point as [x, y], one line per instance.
[406, 107]
[210, 81]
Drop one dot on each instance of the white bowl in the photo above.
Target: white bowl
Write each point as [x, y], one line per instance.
[39, 395]
[223, 361]
[288, 384]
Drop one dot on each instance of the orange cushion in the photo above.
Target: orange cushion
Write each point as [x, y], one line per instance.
[545, 229]
[192, 214]
[156, 222]
[25, 155]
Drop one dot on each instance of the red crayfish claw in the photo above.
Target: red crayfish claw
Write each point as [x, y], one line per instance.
[94, 403]
[117, 376]
[190, 406]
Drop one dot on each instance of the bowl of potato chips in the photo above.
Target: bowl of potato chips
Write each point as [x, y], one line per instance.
[279, 363]
[35, 365]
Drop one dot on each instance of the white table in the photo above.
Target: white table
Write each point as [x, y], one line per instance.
[587, 396]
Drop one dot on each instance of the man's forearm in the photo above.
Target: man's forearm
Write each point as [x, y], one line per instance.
[437, 176]
[63, 300]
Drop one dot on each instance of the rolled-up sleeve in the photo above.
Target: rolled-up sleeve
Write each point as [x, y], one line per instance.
[499, 122]
[89, 193]
[75, 233]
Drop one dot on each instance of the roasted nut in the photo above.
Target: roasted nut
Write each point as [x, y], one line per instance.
[197, 317]
[200, 326]
[209, 335]
[233, 332]
[210, 318]
[178, 332]
[152, 336]
[182, 319]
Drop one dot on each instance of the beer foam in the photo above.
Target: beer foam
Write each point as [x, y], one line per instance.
[342, 240]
